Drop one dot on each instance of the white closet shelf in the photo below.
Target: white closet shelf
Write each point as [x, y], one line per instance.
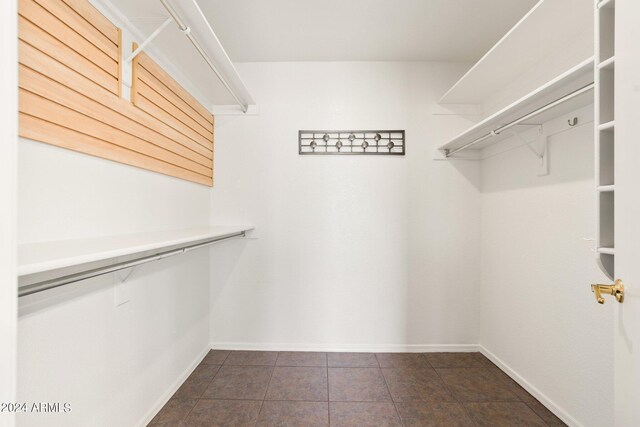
[607, 251]
[606, 188]
[570, 81]
[606, 4]
[43, 257]
[607, 64]
[527, 44]
[607, 126]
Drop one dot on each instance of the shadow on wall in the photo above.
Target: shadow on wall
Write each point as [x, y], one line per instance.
[224, 258]
[570, 160]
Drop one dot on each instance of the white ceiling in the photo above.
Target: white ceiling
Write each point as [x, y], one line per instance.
[351, 30]
[361, 30]
[323, 30]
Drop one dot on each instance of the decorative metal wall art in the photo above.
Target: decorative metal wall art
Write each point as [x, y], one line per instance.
[380, 142]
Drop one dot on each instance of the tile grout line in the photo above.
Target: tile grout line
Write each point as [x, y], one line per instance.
[205, 388]
[504, 382]
[464, 408]
[264, 398]
[389, 391]
[519, 398]
[326, 355]
[458, 401]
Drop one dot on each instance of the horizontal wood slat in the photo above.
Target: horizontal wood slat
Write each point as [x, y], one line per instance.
[154, 69]
[41, 130]
[80, 25]
[36, 14]
[45, 65]
[156, 101]
[37, 106]
[126, 128]
[152, 81]
[95, 18]
[149, 107]
[70, 79]
[44, 42]
[160, 101]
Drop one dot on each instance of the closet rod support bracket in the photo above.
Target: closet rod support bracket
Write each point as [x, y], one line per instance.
[149, 39]
[539, 147]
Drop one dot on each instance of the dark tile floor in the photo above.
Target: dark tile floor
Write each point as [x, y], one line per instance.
[260, 388]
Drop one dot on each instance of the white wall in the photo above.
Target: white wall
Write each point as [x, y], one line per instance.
[111, 363]
[352, 251]
[538, 315]
[8, 162]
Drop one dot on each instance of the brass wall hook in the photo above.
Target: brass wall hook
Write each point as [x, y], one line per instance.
[573, 122]
[617, 290]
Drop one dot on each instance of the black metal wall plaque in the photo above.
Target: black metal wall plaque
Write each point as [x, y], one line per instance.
[376, 142]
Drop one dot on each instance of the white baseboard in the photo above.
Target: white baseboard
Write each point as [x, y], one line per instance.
[553, 407]
[153, 411]
[369, 348]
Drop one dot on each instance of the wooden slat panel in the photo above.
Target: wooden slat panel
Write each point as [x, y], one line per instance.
[44, 42]
[67, 15]
[70, 83]
[95, 18]
[161, 102]
[168, 81]
[37, 106]
[133, 96]
[41, 130]
[152, 81]
[52, 25]
[49, 89]
[149, 107]
[120, 59]
[44, 64]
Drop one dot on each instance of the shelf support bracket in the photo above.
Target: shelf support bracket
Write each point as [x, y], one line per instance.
[149, 39]
[539, 147]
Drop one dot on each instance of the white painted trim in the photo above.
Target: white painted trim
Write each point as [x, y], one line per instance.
[153, 411]
[369, 348]
[8, 197]
[546, 401]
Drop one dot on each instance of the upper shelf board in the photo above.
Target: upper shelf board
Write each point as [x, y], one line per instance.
[49, 256]
[572, 80]
[549, 26]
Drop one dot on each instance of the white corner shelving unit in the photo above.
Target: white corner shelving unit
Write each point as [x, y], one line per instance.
[604, 138]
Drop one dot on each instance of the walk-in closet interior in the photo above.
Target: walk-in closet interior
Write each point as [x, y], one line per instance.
[320, 213]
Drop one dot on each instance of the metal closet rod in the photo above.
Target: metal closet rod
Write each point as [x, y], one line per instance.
[186, 30]
[498, 130]
[83, 275]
